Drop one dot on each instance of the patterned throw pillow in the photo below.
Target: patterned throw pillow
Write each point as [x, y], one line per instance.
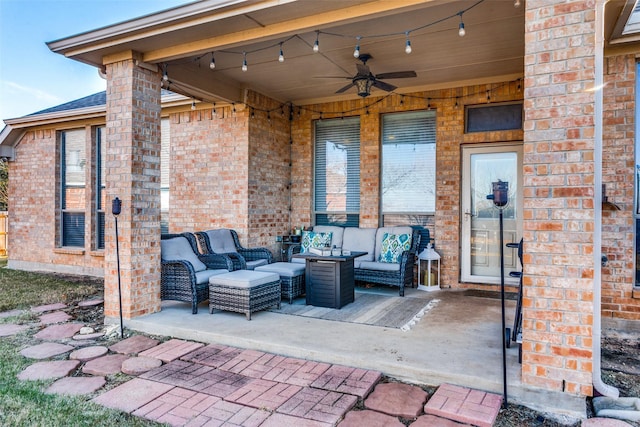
[311, 239]
[392, 247]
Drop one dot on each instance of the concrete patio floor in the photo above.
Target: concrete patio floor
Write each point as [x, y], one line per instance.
[458, 342]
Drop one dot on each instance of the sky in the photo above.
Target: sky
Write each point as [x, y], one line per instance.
[32, 77]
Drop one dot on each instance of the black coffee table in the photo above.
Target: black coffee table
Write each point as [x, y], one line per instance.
[329, 280]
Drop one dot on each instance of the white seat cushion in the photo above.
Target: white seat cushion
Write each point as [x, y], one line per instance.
[243, 278]
[221, 241]
[251, 265]
[298, 261]
[379, 266]
[179, 249]
[284, 269]
[204, 276]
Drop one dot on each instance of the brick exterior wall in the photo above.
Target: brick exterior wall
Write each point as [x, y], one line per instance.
[558, 200]
[618, 175]
[133, 174]
[231, 170]
[34, 208]
[450, 136]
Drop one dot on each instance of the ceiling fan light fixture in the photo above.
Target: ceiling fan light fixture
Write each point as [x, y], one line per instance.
[363, 85]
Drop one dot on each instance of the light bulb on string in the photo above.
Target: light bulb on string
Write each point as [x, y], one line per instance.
[244, 61]
[516, 3]
[316, 45]
[193, 104]
[281, 56]
[212, 64]
[356, 52]
[407, 46]
[461, 30]
[165, 75]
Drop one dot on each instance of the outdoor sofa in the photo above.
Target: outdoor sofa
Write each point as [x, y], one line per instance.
[390, 251]
[185, 275]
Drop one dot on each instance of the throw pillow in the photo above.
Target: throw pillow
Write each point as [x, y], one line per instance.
[312, 239]
[392, 247]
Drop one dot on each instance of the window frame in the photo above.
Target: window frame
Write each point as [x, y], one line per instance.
[66, 213]
[414, 217]
[350, 216]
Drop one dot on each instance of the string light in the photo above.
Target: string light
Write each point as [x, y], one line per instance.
[165, 75]
[516, 3]
[461, 30]
[407, 47]
[212, 64]
[281, 56]
[316, 45]
[356, 52]
[193, 104]
[244, 61]
[253, 113]
[428, 104]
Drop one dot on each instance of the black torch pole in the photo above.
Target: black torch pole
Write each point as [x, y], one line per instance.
[500, 199]
[504, 337]
[116, 207]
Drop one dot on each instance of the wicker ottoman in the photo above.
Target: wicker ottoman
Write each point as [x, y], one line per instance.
[244, 291]
[291, 278]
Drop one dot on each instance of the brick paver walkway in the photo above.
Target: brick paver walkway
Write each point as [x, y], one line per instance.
[184, 383]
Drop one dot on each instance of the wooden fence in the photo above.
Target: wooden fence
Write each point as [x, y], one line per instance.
[4, 235]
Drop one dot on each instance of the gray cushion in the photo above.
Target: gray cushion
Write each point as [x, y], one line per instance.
[390, 230]
[221, 241]
[379, 266]
[336, 237]
[202, 277]
[298, 260]
[284, 269]
[179, 249]
[256, 263]
[360, 240]
[244, 278]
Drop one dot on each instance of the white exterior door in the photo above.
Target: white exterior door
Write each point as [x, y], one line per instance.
[480, 247]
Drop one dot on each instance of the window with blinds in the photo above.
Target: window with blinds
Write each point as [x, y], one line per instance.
[100, 186]
[165, 150]
[337, 172]
[74, 159]
[408, 166]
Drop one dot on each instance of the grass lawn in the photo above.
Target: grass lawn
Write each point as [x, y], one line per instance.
[24, 403]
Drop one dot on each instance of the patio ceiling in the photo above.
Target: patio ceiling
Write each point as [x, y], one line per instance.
[184, 38]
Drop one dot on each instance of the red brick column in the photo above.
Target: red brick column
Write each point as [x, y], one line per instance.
[133, 175]
[558, 195]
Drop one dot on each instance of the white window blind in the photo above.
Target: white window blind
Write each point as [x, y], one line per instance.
[165, 156]
[408, 162]
[337, 169]
[73, 156]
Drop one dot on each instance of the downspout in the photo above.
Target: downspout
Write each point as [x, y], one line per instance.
[599, 386]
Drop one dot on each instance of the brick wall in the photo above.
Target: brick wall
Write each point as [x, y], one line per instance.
[231, 170]
[618, 174]
[133, 174]
[35, 208]
[558, 199]
[445, 225]
[208, 170]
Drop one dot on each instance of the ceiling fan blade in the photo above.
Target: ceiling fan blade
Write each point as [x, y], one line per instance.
[363, 70]
[332, 77]
[383, 86]
[344, 88]
[397, 75]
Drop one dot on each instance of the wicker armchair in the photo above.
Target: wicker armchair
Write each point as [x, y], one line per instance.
[225, 242]
[183, 276]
